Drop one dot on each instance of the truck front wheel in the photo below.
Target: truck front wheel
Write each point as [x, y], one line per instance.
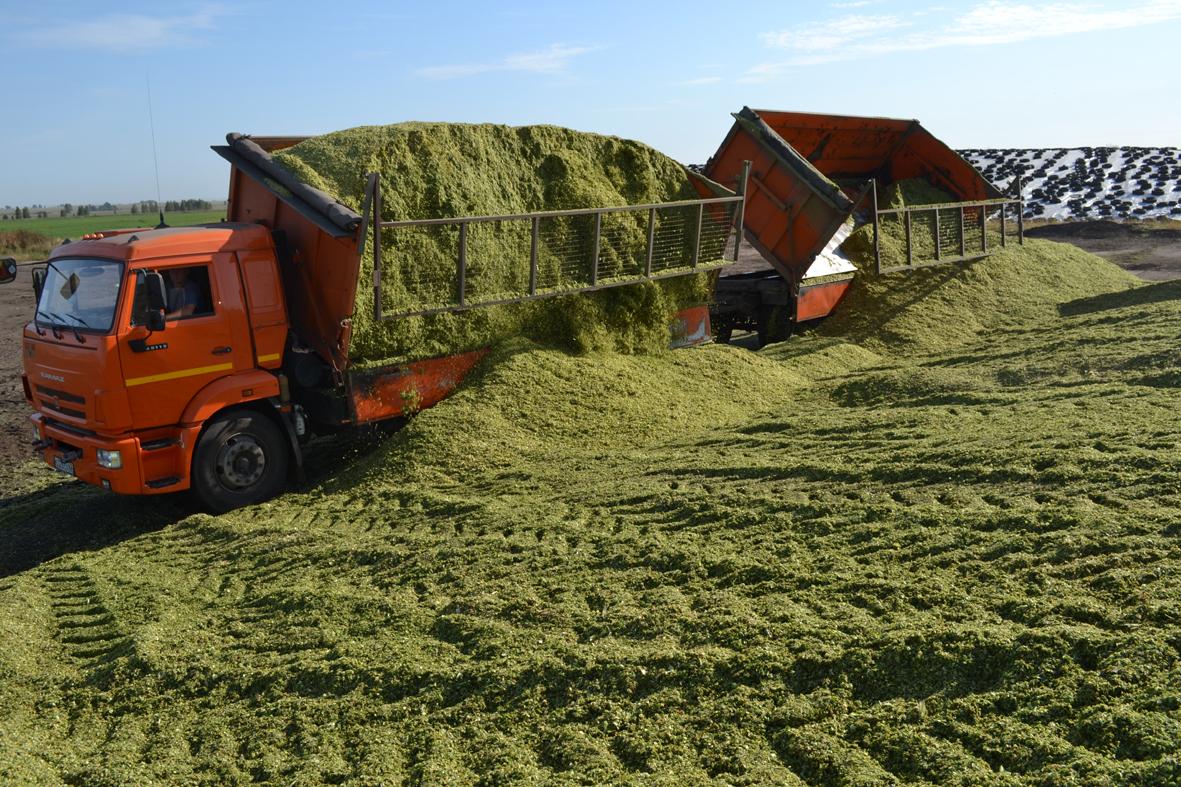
[241, 459]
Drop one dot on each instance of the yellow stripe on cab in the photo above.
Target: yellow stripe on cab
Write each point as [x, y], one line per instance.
[158, 378]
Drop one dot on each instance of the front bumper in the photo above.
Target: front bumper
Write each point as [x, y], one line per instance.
[155, 462]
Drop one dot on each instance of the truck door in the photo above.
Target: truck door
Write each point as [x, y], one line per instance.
[163, 372]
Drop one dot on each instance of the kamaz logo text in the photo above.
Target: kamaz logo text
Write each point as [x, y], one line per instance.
[57, 378]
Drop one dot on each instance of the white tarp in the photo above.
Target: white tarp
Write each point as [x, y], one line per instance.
[831, 260]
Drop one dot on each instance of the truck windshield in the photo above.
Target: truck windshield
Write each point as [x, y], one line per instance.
[80, 294]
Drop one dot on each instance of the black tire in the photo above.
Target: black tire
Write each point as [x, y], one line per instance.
[773, 325]
[241, 459]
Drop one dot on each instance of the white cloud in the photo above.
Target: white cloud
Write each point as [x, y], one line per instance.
[831, 35]
[991, 23]
[552, 60]
[124, 32]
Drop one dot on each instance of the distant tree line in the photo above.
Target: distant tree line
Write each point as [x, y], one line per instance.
[11, 213]
[187, 204]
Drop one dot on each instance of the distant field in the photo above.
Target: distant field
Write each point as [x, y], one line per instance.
[73, 226]
[32, 239]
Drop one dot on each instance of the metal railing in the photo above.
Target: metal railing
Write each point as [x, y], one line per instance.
[520, 257]
[944, 233]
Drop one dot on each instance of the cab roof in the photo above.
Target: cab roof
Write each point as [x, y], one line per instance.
[169, 242]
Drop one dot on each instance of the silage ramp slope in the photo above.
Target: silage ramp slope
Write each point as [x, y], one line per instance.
[931, 309]
[527, 409]
[637, 569]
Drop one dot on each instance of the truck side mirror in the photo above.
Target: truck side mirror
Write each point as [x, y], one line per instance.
[7, 270]
[38, 282]
[154, 302]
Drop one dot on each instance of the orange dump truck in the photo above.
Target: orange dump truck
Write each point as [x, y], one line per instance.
[203, 357]
[810, 178]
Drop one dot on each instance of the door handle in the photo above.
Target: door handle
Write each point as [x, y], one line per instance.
[221, 350]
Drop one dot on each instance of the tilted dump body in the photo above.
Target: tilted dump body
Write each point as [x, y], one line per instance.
[319, 242]
[852, 150]
[809, 174]
[810, 170]
[318, 239]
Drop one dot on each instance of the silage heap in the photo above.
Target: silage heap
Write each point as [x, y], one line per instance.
[933, 308]
[911, 192]
[441, 170]
[861, 557]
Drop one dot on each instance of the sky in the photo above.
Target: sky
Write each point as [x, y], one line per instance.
[77, 120]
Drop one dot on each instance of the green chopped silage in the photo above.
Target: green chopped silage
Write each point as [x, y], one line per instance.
[892, 229]
[934, 308]
[853, 558]
[438, 170]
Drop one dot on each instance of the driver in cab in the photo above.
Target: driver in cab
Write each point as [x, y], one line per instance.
[184, 294]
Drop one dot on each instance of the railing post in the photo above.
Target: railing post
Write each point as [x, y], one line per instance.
[1004, 227]
[741, 208]
[983, 229]
[1020, 214]
[963, 234]
[533, 256]
[651, 241]
[938, 240]
[594, 275]
[877, 246]
[697, 235]
[462, 285]
[909, 246]
[377, 248]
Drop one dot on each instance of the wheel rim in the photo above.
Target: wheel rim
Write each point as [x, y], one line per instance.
[240, 462]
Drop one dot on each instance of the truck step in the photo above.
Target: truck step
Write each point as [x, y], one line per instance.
[160, 483]
[156, 445]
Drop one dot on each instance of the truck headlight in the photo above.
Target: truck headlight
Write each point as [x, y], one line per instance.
[111, 460]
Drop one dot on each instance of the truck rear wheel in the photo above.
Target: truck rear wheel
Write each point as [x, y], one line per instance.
[774, 324]
[241, 459]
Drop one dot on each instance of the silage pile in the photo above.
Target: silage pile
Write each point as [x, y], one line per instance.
[439, 170]
[902, 194]
[924, 556]
[938, 307]
[933, 308]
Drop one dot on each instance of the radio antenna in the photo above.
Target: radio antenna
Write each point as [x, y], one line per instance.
[155, 158]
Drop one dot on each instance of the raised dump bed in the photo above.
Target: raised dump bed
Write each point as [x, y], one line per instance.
[812, 178]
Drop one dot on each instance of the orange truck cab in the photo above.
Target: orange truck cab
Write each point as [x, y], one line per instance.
[145, 345]
[202, 358]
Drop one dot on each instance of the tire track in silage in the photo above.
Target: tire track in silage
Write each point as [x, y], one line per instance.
[86, 627]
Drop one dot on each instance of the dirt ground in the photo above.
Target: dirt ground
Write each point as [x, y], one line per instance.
[1152, 254]
[16, 309]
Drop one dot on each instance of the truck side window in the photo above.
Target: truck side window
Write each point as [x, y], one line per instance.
[188, 292]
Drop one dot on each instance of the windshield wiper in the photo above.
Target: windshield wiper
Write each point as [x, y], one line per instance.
[53, 325]
[77, 334]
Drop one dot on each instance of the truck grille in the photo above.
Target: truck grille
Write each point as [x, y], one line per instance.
[52, 399]
[57, 408]
[64, 396]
